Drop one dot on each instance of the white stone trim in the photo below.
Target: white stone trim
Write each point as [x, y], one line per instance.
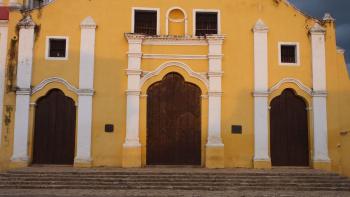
[182, 65]
[3, 56]
[133, 9]
[297, 82]
[206, 10]
[24, 79]
[297, 53]
[180, 21]
[261, 107]
[47, 49]
[86, 84]
[175, 41]
[175, 56]
[50, 80]
[319, 100]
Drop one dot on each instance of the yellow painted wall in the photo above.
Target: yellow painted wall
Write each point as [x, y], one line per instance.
[237, 19]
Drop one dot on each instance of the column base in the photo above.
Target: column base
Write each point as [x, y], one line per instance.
[215, 157]
[262, 164]
[131, 157]
[18, 163]
[322, 165]
[82, 163]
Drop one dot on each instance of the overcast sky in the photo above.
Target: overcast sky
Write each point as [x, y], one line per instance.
[339, 10]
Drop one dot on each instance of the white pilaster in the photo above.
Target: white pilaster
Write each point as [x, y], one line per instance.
[261, 134]
[133, 92]
[24, 78]
[86, 85]
[320, 94]
[215, 90]
[3, 55]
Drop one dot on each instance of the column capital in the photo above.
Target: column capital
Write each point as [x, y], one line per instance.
[261, 94]
[317, 29]
[86, 92]
[134, 38]
[88, 23]
[214, 39]
[319, 94]
[26, 23]
[23, 91]
[260, 27]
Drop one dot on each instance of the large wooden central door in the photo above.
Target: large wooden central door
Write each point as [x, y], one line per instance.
[173, 122]
[289, 130]
[54, 133]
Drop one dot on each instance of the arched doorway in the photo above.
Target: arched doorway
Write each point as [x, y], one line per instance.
[289, 136]
[173, 122]
[54, 132]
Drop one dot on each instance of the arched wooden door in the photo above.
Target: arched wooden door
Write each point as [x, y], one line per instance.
[289, 136]
[54, 133]
[173, 122]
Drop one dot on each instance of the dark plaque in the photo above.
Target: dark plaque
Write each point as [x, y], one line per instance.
[109, 128]
[236, 129]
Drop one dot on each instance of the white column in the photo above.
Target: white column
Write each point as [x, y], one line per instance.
[261, 133]
[320, 94]
[24, 78]
[215, 91]
[133, 92]
[3, 55]
[86, 91]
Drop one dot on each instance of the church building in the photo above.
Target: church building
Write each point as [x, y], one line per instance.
[138, 83]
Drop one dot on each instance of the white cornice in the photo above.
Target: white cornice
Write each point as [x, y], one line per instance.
[175, 56]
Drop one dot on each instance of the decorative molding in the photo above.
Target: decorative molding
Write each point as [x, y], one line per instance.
[168, 19]
[4, 23]
[175, 56]
[318, 29]
[319, 94]
[50, 80]
[340, 50]
[184, 66]
[260, 27]
[172, 40]
[294, 81]
[260, 94]
[88, 23]
[26, 23]
[328, 17]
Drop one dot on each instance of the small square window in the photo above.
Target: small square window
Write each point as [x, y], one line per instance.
[206, 23]
[145, 22]
[57, 48]
[289, 53]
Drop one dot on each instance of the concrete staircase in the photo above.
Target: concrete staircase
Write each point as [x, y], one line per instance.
[47, 178]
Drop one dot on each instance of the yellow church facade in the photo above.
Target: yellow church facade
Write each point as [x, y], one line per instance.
[216, 84]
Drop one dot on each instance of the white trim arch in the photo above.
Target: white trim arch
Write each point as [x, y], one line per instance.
[50, 80]
[182, 65]
[167, 18]
[297, 82]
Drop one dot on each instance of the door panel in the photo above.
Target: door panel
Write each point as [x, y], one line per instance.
[289, 130]
[54, 133]
[173, 122]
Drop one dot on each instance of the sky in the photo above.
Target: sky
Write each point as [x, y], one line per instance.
[339, 9]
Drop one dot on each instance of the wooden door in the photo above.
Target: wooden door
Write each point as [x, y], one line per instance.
[173, 122]
[54, 133]
[289, 136]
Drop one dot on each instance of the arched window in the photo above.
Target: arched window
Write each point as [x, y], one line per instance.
[176, 21]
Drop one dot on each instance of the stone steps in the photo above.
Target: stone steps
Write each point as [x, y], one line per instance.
[162, 179]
